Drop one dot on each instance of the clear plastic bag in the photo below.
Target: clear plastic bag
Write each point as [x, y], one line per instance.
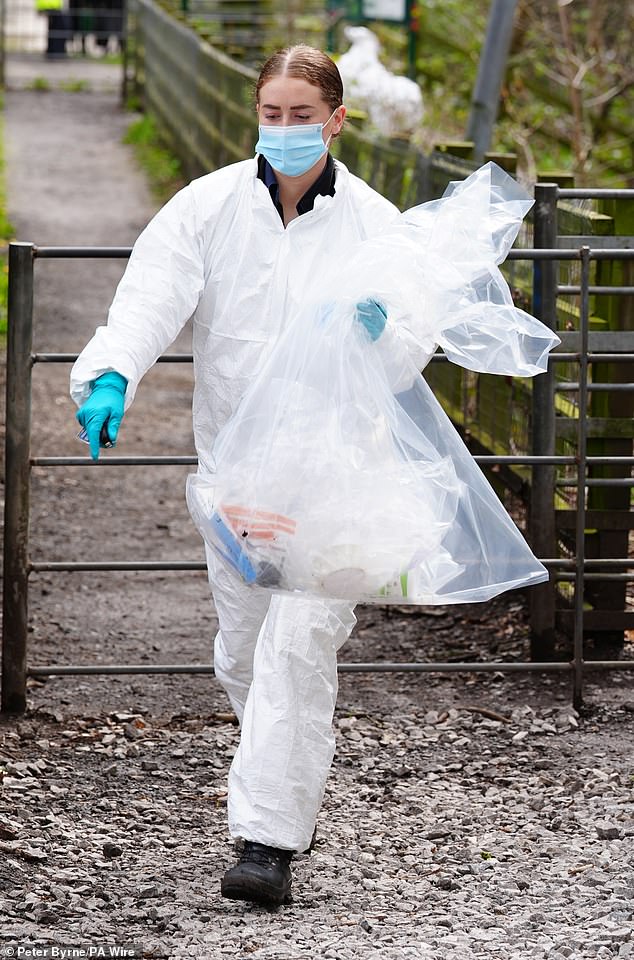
[340, 474]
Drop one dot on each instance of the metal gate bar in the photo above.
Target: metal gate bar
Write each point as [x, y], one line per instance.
[20, 360]
[549, 666]
[582, 442]
[380, 667]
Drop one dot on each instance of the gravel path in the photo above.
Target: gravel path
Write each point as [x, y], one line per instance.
[445, 834]
[466, 817]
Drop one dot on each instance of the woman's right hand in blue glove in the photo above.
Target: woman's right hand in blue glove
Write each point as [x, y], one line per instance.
[372, 314]
[103, 408]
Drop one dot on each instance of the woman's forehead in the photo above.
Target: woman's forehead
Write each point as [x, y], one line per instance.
[290, 92]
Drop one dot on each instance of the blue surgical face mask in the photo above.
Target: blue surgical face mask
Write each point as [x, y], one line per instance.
[293, 150]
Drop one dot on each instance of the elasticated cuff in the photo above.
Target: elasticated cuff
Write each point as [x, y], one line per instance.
[111, 379]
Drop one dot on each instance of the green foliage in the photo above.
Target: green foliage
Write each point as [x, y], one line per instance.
[153, 154]
[114, 59]
[566, 102]
[569, 83]
[39, 84]
[6, 234]
[4, 292]
[75, 85]
[133, 104]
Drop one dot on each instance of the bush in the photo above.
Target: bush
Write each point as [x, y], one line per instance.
[155, 158]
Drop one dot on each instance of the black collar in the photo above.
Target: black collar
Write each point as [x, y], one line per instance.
[324, 185]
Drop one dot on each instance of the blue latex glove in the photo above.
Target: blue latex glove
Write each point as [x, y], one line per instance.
[372, 314]
[103, 408]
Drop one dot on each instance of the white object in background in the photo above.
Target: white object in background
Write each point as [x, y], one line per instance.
[394, 104]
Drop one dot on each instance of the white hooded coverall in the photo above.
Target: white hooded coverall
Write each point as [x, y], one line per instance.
[219, 252]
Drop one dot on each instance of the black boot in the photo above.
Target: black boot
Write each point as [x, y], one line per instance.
[262, 875]
[238, 844]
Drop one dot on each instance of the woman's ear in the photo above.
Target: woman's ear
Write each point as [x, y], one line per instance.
[338, 119]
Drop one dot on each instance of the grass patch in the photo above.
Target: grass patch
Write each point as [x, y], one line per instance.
[115, 59]
[6, 233]
[39, 84]
[75, 85]
[111, 59]
[163, 169]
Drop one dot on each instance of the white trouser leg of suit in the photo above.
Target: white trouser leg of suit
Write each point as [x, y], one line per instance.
[241, 612]
[276, 656]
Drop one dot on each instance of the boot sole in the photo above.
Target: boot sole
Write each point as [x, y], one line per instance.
[255, 892]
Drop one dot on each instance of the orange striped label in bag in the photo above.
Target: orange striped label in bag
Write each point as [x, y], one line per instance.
[257, 524]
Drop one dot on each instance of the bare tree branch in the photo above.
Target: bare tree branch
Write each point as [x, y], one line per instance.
[575, 94]
[613, 92]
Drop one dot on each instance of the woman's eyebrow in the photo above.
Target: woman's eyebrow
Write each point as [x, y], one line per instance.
[299, 106]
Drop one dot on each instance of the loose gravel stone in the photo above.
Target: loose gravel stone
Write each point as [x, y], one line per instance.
[111, 850]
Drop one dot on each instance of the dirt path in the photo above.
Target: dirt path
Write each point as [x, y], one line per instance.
[432, 773]
[71, 181]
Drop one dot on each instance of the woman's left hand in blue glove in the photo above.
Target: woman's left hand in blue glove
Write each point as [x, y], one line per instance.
[102, 412]
[372, 314]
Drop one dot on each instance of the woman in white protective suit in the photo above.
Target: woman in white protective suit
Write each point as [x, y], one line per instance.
[235, 250]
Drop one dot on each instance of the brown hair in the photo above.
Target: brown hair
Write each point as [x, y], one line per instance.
[305, 63]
